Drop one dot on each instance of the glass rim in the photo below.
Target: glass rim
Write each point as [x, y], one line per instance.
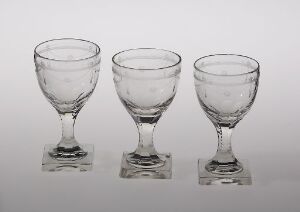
[226, 75]
[98, 50]
[146, 69]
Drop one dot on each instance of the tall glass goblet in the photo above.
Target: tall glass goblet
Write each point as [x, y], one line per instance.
[146, 82]
[67, 71]
[226, 87]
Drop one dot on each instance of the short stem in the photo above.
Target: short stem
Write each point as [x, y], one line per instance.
[224, 153]
[68, 140]
[145, 147]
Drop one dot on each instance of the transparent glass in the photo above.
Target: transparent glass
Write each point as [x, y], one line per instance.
[67, 71]
[146, 81]
[226, 86]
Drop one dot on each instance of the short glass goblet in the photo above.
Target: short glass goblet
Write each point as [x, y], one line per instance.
[226, 86]
[67, 71]
[146, 81]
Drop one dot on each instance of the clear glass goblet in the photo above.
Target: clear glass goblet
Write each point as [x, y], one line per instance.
[226, 86]
[146, 81]
[67, 71]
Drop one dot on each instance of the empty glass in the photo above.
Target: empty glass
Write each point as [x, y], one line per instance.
[226, 87]
[146, 82]
[67, 71]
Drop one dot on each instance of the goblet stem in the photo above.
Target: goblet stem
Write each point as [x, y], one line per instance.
[145, 155]
[68, 141]
[224, 153]
[224, 162]
[145, 147]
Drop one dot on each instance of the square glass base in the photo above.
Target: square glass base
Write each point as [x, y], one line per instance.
[163, 172]
[83, 164]
[207, 178]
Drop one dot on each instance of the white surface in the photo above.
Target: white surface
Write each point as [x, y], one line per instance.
[268, 136]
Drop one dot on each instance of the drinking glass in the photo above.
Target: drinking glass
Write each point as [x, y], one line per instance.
[67, 71]
[226, 86]
[146, 81]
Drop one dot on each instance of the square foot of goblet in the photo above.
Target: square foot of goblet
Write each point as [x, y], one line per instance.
[207, 178]
[162, 172]
[52, 165]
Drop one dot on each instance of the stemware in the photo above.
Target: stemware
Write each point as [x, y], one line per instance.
[67, 71]
[226, 86]
[146, 82]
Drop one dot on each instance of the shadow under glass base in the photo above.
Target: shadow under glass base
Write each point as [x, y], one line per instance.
[240, 178]
[83, 164]
[162, 172]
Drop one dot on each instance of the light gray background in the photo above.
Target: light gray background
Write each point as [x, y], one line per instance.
[268, 136]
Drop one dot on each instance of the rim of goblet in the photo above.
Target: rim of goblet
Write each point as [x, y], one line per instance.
[98, 50]
[226, 75]
[146, 69]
